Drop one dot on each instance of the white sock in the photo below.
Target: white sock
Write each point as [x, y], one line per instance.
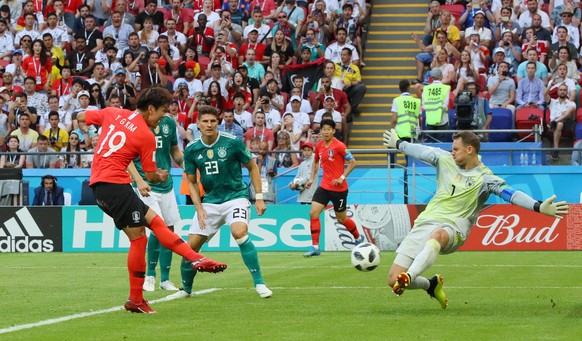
[419, 283]
[425, 258]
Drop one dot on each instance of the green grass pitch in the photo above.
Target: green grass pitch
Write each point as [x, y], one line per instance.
[492, 296]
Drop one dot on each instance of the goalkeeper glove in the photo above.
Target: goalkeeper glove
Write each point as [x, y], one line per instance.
[391, 139]
[554, 209]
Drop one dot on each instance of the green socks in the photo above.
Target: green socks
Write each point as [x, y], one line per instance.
[250, 258]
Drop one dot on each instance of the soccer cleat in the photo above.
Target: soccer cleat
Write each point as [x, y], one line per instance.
[312, 252]
[402, 282]
[149, 284]
[168, 285]
[360, 240]
[144, 307]
[179, 294]
[263, 291]
[208, 265]
[438, 292]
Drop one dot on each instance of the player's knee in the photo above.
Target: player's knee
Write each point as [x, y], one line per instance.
[441, 236]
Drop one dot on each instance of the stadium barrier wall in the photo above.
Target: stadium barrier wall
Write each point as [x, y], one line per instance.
[88, 229]
[370, 185]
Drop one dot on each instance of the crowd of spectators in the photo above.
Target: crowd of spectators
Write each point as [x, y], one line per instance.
[521, 53]
[58, 58]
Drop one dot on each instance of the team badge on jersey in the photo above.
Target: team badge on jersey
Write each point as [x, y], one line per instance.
[222, 152]
[135, 215]
[166, 130]
[157, 130]
[210, 153]
[469, 182]
[330, 154]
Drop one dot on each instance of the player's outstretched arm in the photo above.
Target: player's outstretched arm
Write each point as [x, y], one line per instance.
[554, 209]
[256, 181]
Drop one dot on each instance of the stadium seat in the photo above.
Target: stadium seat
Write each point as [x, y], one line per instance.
[579, 115]
[578, 130]
[68, 198]
[527, 118]
[502, 119]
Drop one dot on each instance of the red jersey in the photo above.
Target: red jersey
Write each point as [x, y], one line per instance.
[125, 136]
[332, 160]
[258, 47]
[340, 100]
[33, 68]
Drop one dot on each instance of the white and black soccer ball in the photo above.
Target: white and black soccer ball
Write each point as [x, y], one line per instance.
[366, 257]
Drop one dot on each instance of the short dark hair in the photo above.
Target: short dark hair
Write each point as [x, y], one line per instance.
[328, 122]
[156, 96]
[469, 139]
[404, 85]
[42, 138]
[207, 110]
[53, 113]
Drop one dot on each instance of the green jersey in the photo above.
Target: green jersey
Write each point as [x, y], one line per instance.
[220, 165]
[166, 139]
[460, 193]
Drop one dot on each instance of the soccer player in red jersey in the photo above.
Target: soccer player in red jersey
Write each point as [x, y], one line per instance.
[332, 154]
[126, 135]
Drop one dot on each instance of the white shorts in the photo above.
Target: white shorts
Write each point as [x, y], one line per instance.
[164, 204]
[414, 242]
[217, 215]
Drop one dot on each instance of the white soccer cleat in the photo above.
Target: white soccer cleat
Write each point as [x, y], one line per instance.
[179, 294]
[168, 285]
[149, 284]
[263, 291]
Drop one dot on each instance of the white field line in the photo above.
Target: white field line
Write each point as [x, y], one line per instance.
[313, 266]
[91, 313]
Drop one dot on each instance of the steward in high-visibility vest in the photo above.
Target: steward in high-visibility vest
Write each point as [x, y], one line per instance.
[406, 112]
[435, 100]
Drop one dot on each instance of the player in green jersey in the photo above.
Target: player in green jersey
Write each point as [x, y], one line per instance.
[160, 197]
[219, 157]
[463, 186]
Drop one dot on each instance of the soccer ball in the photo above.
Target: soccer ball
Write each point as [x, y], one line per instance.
[366, 257]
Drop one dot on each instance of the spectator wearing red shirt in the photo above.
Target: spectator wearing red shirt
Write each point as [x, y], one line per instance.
[127, 135]
[268, 8]
[38, 65]
[202, 36]
[260, 131]
[253, 43]
[332, 154]
[181, 15]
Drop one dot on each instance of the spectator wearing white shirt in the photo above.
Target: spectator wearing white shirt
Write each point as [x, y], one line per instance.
[562, 116]
[333, 51]
[525, 19]
[573, 31]
[6, 41]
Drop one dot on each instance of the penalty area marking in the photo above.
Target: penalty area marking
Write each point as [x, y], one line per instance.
[91, 313]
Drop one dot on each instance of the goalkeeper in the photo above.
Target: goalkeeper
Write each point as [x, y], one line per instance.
[463, 186]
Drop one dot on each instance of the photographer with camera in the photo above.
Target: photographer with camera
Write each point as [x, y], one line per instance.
[473, 112]
[510, 48]
[58, 138]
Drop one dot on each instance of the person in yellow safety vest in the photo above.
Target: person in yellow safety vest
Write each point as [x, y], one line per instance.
[435, 103]
[406, 113]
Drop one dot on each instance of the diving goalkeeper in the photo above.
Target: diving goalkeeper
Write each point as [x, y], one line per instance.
[463, 186]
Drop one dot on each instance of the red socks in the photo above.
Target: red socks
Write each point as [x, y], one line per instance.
[351, 226]
[315, 231]
[172, 241]
[136, 266]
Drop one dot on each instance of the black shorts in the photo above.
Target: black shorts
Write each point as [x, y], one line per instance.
[323, 196]
[121, 203]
